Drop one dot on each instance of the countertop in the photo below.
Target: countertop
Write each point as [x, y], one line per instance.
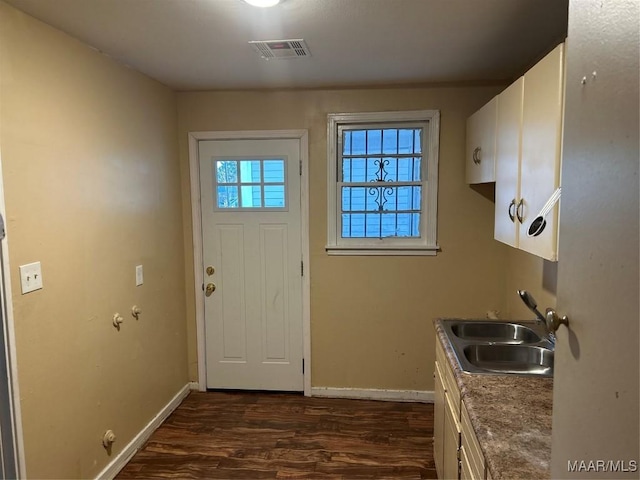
[511, 416]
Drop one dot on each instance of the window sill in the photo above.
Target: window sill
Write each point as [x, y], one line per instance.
[387, 251]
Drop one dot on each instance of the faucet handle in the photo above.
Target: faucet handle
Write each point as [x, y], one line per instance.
[553, 321]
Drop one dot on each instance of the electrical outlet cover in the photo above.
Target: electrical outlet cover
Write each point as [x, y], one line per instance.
[139, 275]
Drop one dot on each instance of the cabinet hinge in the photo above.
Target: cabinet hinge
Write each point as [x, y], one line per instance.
[303, 366]
[301, 268]
[300, 167]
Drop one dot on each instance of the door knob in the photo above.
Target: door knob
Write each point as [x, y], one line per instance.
[553, 321]
[210, 289]
[210, 270]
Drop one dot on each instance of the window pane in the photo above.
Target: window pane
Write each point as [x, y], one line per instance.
[390, 169]
[417, 198]
[274, 196]
[389, 224]
[417, 169]
[390, 140]
[227, 171]
[354, 198]
[406, 141]
[358, 167]
[346, 143]
[417, 134]
[375, 199]
[374, 142]
[405, 169]
[388, 198]
[346, 170]
[358, 142]
[404, 198]
[273, 171]
[373, 225]
[373, 170]
[353, 225]
[404, 225]
[227, 197]
[346, 225]
[415, 226]
[249, 172]
[251, 196]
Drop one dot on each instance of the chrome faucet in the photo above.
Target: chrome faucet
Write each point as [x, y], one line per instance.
[550, 321]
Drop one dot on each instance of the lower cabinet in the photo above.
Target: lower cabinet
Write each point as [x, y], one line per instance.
[471, 458]
[438, 421]
[456, 450]
[451, 465]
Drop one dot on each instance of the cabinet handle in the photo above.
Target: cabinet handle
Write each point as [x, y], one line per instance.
[477, 157]
[519, 210]
[512, 215]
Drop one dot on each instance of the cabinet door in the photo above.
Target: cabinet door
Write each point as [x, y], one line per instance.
[438, 419]
[508, 149]
[466, 472]
[481, 140]
[451, 441]
[541, 150]
[473, 458]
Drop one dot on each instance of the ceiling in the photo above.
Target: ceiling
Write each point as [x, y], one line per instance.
[202, 44]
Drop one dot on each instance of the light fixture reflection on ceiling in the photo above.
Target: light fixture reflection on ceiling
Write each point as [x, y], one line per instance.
[263, 3]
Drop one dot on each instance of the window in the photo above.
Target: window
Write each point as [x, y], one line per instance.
[383, 183]
[250, 184]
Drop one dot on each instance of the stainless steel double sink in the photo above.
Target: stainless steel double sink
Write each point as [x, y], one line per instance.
[493, 347]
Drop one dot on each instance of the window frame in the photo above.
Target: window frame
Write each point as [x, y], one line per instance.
[426, 243]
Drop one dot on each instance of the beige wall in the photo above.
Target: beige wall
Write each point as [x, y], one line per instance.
[534, 274]
[371, 317]
[92, 188]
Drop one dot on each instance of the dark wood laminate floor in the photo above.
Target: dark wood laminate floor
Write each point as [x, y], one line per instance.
[265, 435]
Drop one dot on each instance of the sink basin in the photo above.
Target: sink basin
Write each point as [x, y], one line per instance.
[495, 332]
[495, 347]
[519, 359]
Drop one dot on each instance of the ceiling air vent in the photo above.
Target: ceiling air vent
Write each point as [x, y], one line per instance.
[277, 49]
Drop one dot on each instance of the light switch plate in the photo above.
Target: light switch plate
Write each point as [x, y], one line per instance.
[30, 277]
[139, 275]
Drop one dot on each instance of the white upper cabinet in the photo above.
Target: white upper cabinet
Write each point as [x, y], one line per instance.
[528, 152]
[508, 152]
[541, 151]
[481, 144]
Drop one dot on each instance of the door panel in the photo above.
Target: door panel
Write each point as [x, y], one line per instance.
[232, 307]
[250, 193]
[273, 252]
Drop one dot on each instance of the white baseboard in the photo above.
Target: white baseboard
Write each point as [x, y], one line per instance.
[121, 459]
[194, 386]
[422, 396]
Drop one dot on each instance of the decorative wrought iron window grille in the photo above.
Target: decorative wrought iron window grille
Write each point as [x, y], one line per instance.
[383, 183]
[380, 181]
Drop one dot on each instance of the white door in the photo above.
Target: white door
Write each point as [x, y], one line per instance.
[596, 387]
[252, 254]
[8, 453]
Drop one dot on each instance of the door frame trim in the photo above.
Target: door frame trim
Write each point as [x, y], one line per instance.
[196, 219]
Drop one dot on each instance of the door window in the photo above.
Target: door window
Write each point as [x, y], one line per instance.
[250, 184]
